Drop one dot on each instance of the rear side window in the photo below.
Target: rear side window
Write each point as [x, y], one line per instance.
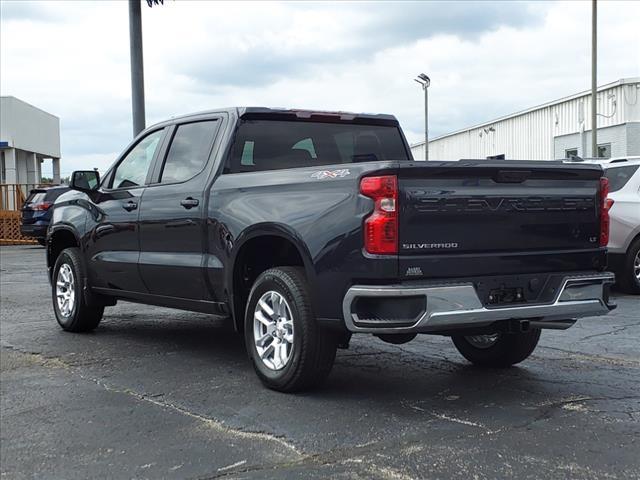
[189, 151]
[275, 144]
[619, 176]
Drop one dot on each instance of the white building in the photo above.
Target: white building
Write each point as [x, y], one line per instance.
[558, 129]
[28, 136]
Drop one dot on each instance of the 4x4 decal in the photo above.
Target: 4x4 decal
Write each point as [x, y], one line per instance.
[322, 174]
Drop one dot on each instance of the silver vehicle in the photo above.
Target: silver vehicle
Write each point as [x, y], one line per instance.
[624, 212]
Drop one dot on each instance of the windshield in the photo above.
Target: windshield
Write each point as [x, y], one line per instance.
[271, 145]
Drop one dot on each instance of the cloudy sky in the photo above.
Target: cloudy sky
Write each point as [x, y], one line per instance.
[485, 59]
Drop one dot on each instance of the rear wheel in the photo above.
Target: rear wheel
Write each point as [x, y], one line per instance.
[498, 349]
[42, 241]
[69, 303]
[288, 350]
[629, 274]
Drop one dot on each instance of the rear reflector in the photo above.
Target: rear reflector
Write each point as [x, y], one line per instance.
[605, 205]
[381, 227]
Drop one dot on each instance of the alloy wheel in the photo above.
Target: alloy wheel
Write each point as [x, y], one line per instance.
[65, 290]
[273, 330]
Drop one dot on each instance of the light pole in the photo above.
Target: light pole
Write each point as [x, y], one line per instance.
[137, 66]
[594, 78]
[137, 63]
[425, 81]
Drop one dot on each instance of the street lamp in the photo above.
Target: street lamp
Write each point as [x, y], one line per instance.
[137, 67]
[425, 81]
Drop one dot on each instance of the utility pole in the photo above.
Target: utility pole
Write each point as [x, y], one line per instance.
[594, 78]
[137, 67]
[425, 81]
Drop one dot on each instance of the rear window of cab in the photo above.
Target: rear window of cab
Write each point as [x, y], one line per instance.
[274, 144]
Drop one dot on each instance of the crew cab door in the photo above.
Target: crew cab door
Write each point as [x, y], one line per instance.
[113, 242]
[172, 214]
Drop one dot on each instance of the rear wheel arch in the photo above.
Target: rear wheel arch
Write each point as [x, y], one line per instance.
[259, 252]
[634, 236]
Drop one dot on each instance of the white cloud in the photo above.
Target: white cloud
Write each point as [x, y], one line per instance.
[484, 59]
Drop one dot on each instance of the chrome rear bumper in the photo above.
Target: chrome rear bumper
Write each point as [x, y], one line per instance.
[455, 306]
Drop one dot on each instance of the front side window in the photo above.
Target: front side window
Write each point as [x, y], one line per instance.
[132, 170]
[189, 151]
[306, 144]
[275, 144]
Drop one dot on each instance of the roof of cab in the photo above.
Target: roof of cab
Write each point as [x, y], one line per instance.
[283, 113]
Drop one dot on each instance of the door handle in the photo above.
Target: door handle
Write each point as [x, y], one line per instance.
[129, 206]
[189, 203]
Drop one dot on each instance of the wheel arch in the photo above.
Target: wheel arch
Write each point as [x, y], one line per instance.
[284, 246]
[634, 236]
[58, 239]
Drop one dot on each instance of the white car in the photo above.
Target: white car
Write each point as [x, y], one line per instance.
[624, 236]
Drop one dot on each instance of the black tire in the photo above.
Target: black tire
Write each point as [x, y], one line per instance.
[42, 241]
[312, 351]
[627, 278]
[81, 317]
[508, 349]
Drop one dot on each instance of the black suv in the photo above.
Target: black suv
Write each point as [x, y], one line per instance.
[36, 211]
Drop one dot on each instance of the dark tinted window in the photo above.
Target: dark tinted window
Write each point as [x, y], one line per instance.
[271, 145]
[619, 176]
[54, 193]
[188, 152]
[132, 170]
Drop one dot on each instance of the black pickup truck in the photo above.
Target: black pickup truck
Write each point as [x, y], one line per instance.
[303, 228]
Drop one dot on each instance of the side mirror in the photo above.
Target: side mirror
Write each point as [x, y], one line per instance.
[85, 180]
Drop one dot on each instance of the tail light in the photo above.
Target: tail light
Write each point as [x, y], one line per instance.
[41, 206]
[381, 227]
[605, 205]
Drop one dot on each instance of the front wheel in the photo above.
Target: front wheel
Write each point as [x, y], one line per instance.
[69, 303]
[288, 349]
[498, 349]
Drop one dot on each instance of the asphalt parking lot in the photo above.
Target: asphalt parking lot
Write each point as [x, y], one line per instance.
[159, 393]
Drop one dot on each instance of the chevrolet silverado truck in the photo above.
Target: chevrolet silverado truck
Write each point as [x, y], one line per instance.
[303, 228]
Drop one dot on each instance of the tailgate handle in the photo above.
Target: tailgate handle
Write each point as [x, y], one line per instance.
[511, 176]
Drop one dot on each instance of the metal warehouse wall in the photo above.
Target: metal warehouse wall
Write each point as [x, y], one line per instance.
[529, 135]
[28, 128]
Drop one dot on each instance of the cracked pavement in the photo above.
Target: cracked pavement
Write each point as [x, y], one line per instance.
[160, 393]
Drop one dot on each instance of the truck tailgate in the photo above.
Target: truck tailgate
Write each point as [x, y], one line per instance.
[488, 208]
